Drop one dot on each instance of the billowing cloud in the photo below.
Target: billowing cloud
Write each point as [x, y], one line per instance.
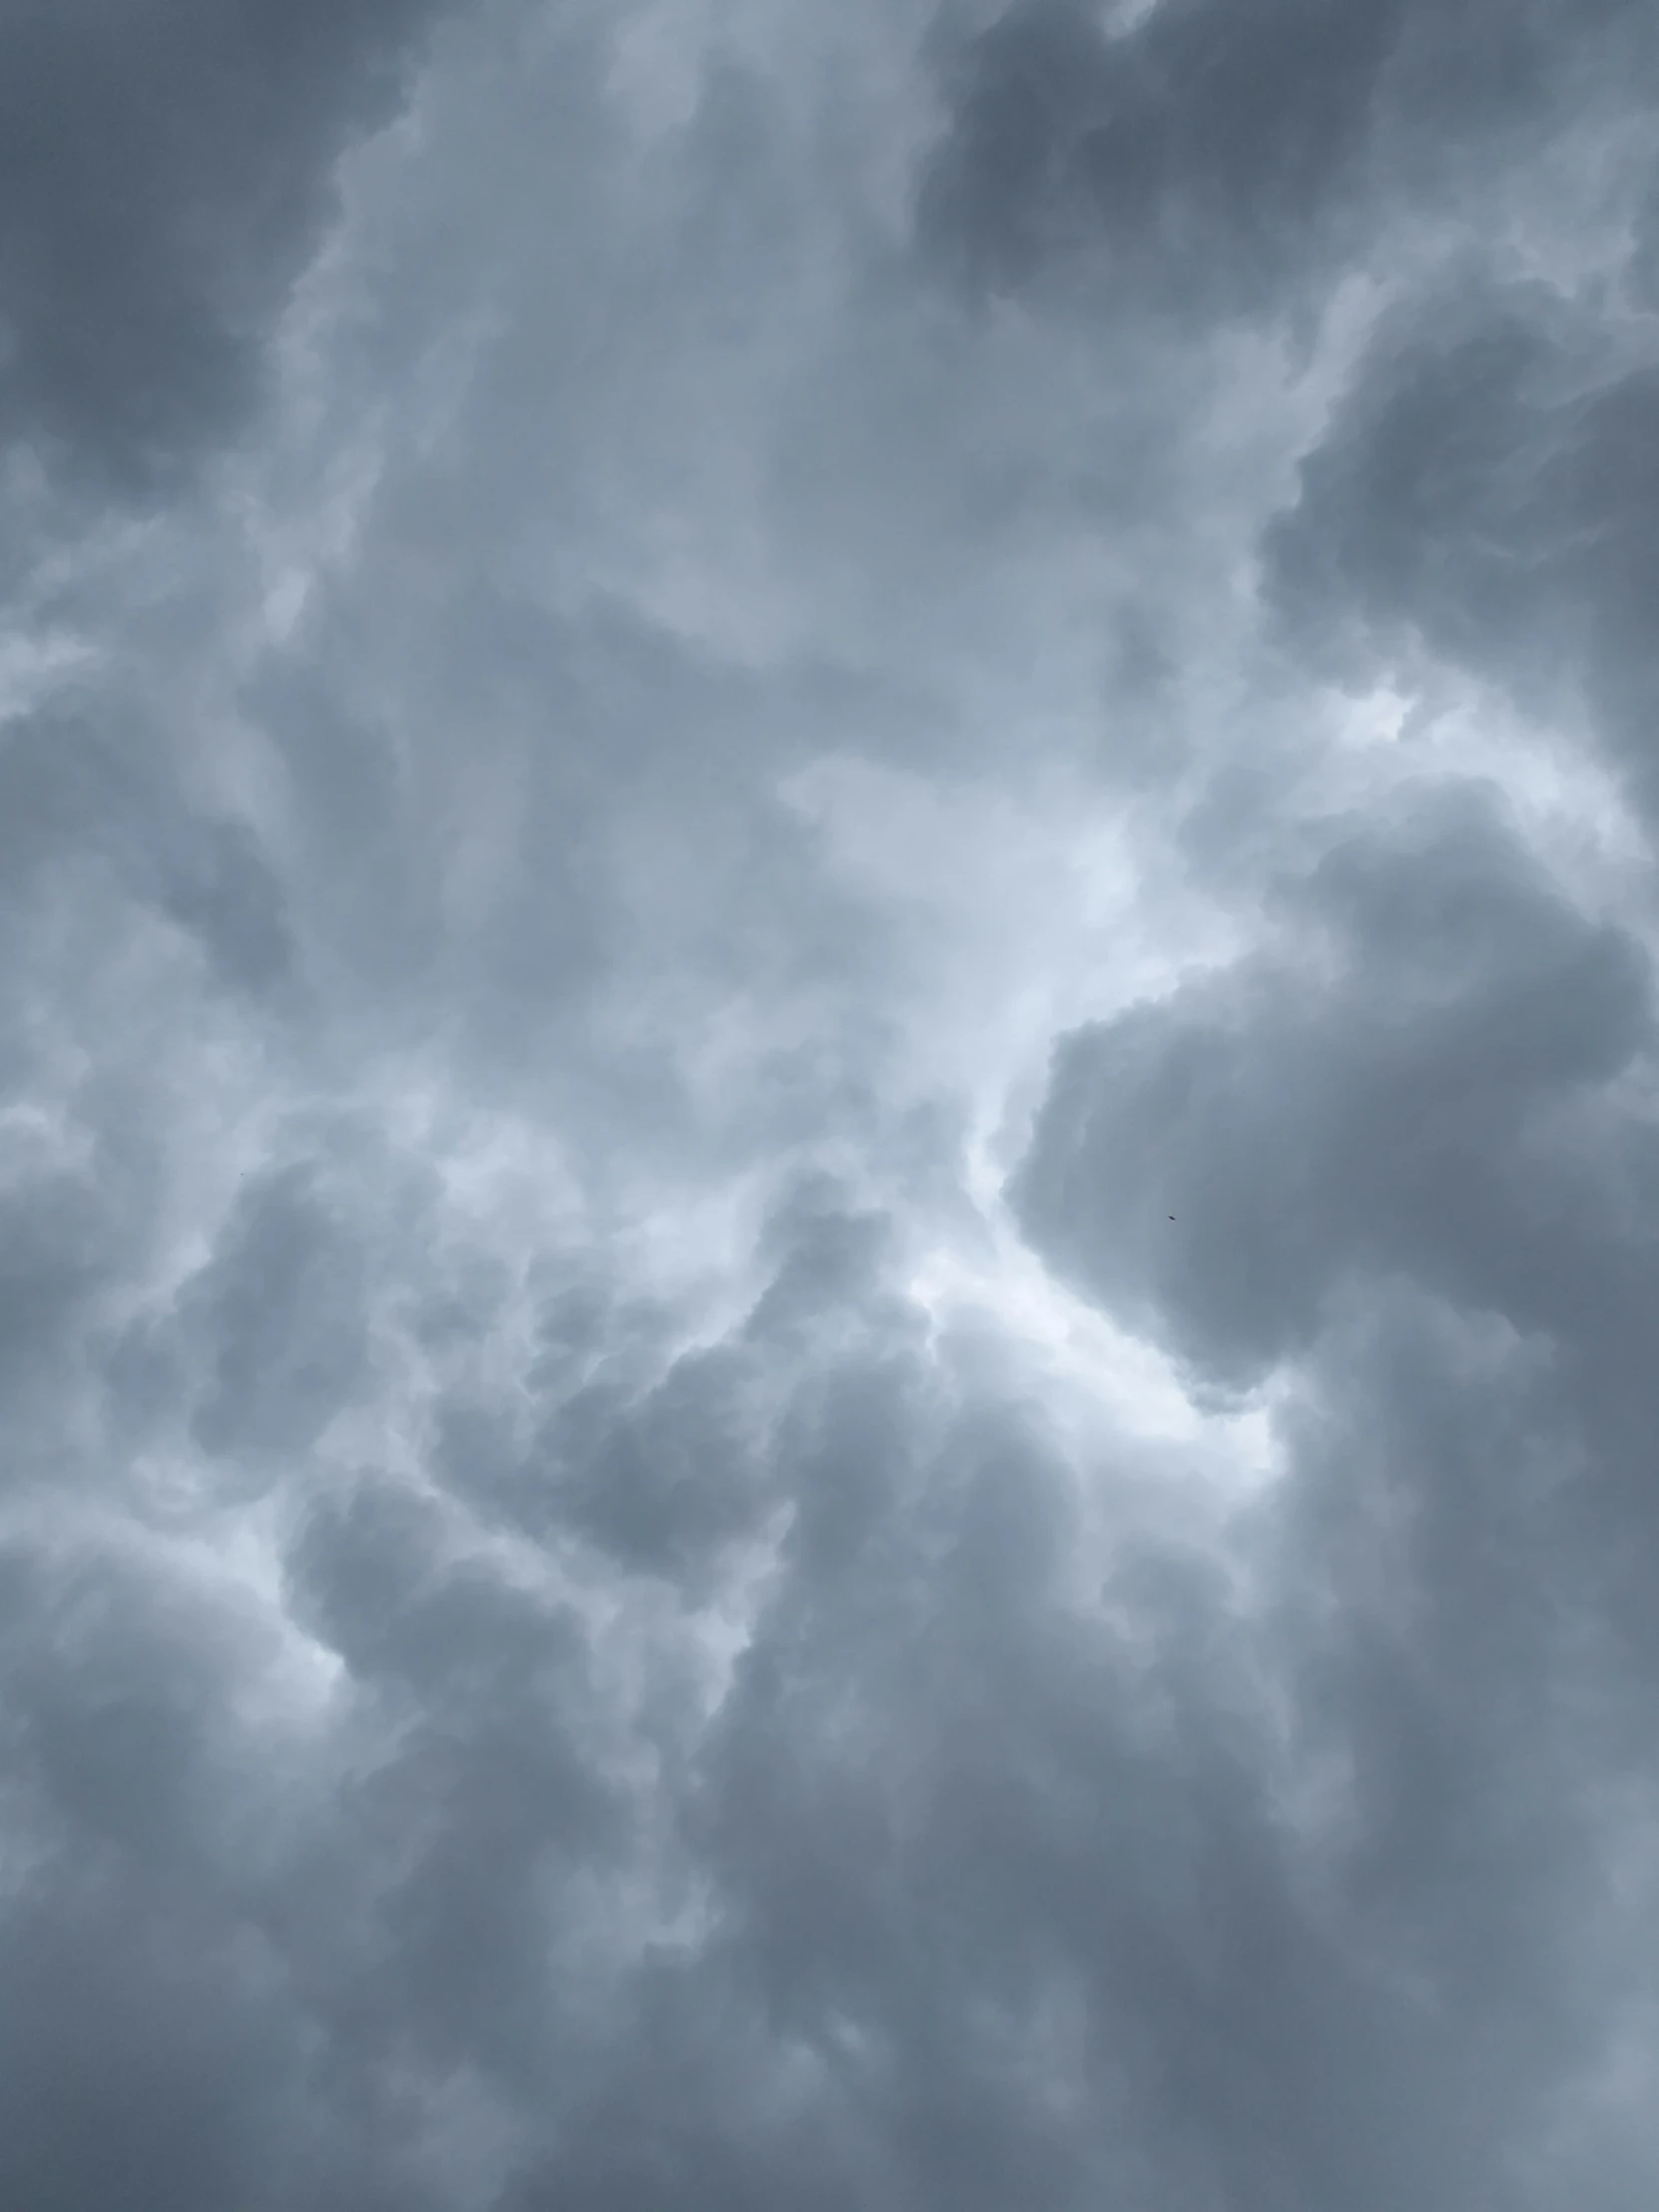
[1418, 1088]
[825, 1105]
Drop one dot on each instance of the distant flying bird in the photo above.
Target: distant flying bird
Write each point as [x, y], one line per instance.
[1172, 1216]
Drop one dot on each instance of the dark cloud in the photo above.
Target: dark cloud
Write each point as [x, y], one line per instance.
[1408, 1158]
[278, 1314]
[166, 174]
[594, 1612]
[660, 1483]
[150, 2060]
[1227, 157]
[1488, 489]
[1394, 1106]
[1197, 149]
[998, 1881]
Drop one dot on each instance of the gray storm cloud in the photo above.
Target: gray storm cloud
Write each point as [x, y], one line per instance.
[827, 1071]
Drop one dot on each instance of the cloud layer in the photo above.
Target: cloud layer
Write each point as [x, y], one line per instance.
[827, 1087]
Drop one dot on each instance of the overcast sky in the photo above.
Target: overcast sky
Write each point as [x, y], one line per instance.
[829, 1106]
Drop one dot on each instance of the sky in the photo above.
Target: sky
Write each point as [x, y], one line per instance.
[828, 1105]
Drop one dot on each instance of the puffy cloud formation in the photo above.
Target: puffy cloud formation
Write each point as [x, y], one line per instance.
[826, 1140]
